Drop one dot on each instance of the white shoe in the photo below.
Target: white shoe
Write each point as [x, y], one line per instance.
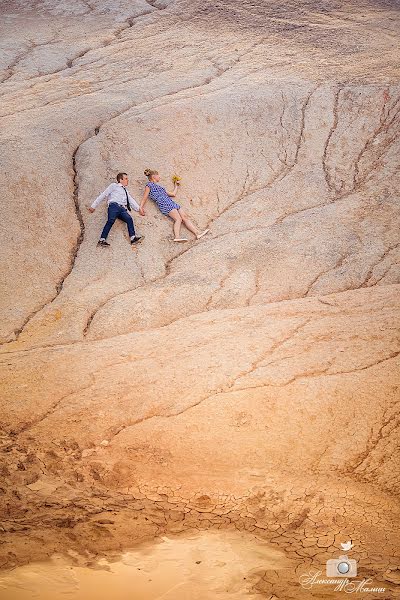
[202, 233]
[180, 240]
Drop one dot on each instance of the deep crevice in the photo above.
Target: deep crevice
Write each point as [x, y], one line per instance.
[59, 286]
[333, 128]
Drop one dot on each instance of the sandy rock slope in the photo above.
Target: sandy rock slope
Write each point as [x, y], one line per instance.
[247, 380]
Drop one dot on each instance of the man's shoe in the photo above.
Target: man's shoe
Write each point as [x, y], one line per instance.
[137, 239]
[102, 243]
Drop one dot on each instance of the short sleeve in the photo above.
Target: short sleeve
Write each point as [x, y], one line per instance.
[148, 184]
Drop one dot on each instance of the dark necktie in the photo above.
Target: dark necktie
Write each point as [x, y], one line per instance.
[128, 206]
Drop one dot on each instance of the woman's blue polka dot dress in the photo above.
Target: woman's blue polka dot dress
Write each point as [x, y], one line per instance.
[159, 195]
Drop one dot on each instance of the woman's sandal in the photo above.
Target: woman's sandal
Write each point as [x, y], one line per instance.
[202, 233]
[180, 240]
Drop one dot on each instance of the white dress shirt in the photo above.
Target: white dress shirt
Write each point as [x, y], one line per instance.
[116, 193]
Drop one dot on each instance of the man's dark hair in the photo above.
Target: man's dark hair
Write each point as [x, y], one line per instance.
[121, 176]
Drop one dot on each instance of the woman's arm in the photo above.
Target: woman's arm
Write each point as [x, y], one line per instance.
[173, 193]
[144, 200]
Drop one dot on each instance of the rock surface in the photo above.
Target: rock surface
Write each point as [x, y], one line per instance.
[249, 379]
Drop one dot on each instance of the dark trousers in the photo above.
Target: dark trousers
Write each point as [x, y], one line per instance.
[116, 211]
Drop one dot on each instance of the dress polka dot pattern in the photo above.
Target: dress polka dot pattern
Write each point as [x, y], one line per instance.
[161, 198]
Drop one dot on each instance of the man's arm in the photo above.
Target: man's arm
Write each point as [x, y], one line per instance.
[133, 203]
[101, 197]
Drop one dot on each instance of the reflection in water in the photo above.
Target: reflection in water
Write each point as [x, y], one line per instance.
[215, 564]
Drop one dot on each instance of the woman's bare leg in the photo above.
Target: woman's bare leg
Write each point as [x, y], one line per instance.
[187, 222]
[174, 214]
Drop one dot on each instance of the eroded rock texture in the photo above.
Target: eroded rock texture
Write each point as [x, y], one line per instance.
[249, 379]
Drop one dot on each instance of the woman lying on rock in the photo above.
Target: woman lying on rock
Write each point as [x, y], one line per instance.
[167, 206]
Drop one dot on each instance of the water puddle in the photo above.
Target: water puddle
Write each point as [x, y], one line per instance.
[211, 564]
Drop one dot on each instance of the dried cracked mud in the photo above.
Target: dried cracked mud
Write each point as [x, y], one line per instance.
[246, 384]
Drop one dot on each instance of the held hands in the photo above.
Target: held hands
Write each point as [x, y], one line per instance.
[141, 212]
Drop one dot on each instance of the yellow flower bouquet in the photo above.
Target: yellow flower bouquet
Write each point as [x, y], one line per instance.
[176, 179]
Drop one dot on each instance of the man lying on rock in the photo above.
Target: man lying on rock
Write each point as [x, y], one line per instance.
[119, 203]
